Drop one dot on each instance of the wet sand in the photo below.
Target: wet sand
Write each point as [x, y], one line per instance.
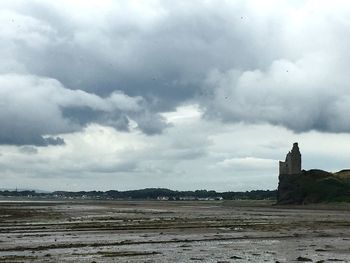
[166, 231]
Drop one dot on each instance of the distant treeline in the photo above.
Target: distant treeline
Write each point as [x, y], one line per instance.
[149, 193]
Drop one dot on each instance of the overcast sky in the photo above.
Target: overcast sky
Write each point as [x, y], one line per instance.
[194, 94]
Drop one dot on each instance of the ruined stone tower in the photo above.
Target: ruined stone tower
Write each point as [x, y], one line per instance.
[292, 164]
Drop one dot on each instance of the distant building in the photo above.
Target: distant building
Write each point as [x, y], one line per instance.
[163, 198]
[292, 164]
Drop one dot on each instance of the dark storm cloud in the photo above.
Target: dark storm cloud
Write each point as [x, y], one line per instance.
[86, 115]
[166, 53]
[33, 108]
[53, 141]
[241, 61]
[151, 123]
[25, 138]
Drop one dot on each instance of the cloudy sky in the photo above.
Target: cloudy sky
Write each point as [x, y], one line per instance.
[195, 94]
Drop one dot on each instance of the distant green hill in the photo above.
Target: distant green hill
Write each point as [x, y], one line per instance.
[147, 194]
[314, 186]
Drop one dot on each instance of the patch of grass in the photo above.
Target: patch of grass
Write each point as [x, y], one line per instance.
[313, 186]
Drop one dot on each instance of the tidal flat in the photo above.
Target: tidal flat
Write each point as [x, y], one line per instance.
[172, 231]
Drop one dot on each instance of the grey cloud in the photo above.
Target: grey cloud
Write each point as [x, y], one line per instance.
[24, 137]
[303, 95]
[151, 123]
[54, 141]
[163, 53]
[34, 108]
[121, 167]
[153, 60]
[86, 115]
[28, 150]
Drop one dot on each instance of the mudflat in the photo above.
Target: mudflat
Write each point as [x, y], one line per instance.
[172, 231]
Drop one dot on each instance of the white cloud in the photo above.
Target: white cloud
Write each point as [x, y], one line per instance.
[248, 164]
[186, 113]
[24, 29]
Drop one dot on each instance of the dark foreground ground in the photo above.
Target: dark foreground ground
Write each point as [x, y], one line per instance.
[217, 231]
